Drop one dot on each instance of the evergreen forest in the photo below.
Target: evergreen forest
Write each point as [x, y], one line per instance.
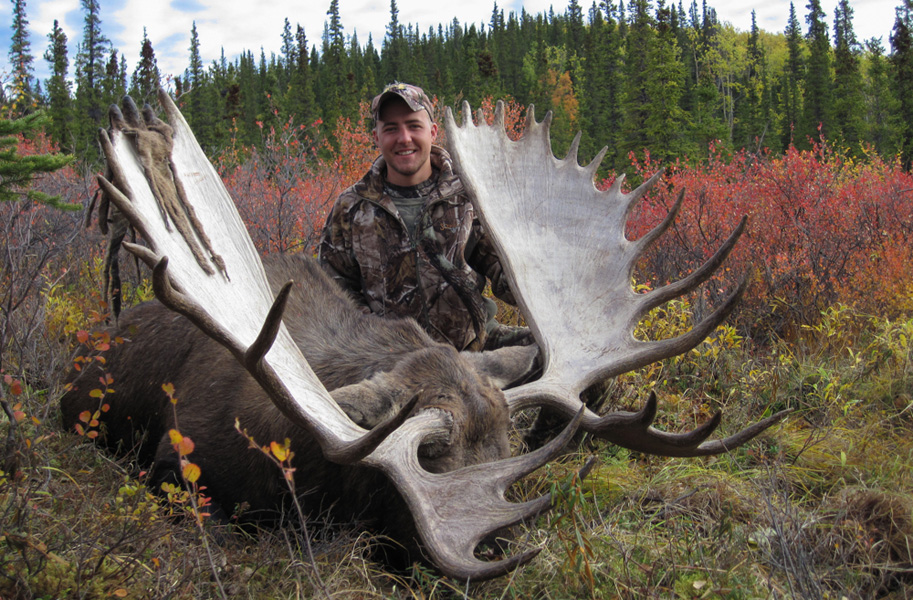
[668, 77]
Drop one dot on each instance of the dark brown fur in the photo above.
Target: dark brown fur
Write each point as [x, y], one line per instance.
[372, 366]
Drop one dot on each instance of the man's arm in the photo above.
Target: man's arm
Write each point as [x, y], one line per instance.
[483, 259]
[335, 255]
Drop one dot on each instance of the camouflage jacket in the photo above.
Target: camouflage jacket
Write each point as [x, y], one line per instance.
[366, 247]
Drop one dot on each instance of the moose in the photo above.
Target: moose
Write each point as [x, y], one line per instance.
[386, 424]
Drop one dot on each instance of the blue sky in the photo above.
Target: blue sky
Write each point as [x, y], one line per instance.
[236, 25]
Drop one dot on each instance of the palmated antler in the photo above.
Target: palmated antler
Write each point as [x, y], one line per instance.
[562, 243]
[453, 511]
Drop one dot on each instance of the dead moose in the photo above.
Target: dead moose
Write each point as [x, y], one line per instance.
[386, 424]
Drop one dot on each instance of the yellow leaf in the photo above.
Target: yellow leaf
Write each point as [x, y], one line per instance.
[175, 436]
[191, 472]
[120, 593]
[280, 452]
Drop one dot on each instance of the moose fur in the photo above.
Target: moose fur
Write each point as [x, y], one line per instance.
[371, 366]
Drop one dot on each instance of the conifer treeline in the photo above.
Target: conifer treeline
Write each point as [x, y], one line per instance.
[666, 77]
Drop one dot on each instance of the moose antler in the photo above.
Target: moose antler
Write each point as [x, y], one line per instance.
[555, 232]
[453, 511]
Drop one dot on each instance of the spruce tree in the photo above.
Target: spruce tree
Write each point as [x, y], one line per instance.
[20, 56]
[17, 172]
[818, 105]
[575, 28]
[199, 103]
[145, 81]
[902, 61]
[849, 104]
[708, 97]
[753, 113]
[373, 69]
[393, 55]
[248, 86]
[637, 81]
[289, 56]
[59, 101]
[334, 70]
[469, 79]
[601, 99]
[301, 89]
[90, 61]
[509, 51]
[882, 126]
[665, 120]
[792, 80]
[114, 83]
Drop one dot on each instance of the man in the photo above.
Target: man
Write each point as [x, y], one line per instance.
[405, 239]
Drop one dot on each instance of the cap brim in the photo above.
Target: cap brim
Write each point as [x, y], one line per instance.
[416, 106]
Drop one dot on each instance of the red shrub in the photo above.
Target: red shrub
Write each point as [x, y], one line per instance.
[822, 229]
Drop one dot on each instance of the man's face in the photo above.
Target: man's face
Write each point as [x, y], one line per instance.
[404, 138]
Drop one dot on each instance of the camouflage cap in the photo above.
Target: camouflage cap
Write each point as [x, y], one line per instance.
[413, 95]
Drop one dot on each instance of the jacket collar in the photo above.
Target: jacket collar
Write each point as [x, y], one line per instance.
[448, 186]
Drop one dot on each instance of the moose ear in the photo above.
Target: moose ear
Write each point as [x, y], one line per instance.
[505, 365]
[371, 401]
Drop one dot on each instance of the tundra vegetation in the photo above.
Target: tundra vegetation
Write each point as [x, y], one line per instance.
[821, 506]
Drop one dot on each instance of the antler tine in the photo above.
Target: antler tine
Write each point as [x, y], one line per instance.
[255, 353]
[467, 113]
[545, 127]
[530, 121]
[700, 275]
[597, 160]
[469, 503]
[643, 353]
[637, 193]
[734, 441]
[651, 236]
[499, 115]
[571, 155]
[635, 432]
[615, 190]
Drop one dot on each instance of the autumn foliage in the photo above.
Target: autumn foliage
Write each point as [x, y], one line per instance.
[822, 229]
[285, 187]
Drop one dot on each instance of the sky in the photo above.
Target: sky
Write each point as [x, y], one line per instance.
[238, 25]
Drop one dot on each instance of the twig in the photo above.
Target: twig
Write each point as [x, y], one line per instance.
[9, 462]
